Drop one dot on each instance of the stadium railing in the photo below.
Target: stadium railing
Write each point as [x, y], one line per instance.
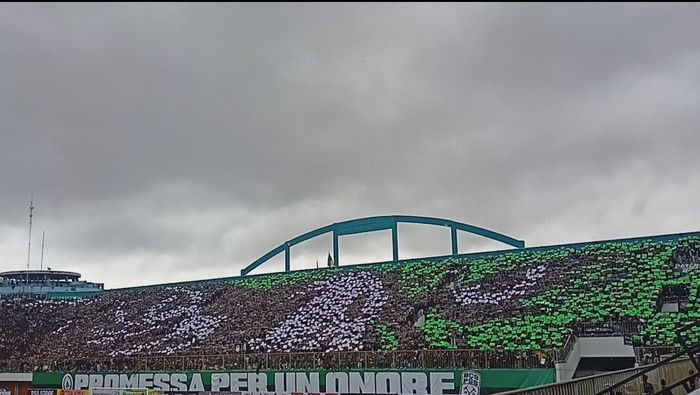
[652, 355]
[563, 354]
[609, 328]
[592, 384]
[417, 359]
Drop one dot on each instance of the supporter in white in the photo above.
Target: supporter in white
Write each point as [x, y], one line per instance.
[173, 324]
[335, 320]
[473, 295]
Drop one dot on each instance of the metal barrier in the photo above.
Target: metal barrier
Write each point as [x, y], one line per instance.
[677, 370]
[566, 350]
[689, 350]
[671, 372]
[609, 328]
[418, 359]
[652, 355]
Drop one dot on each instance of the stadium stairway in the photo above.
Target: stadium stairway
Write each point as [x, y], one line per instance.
[691, 350]
[675, 369]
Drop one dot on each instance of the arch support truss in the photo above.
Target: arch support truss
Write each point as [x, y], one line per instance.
[372, 224]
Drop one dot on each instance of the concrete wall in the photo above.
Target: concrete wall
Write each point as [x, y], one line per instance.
[592, 347]
[604, 347]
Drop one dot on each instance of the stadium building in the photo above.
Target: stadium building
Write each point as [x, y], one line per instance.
[585, 318]
[46, 284]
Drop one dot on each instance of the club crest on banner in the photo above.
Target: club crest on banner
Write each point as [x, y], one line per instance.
[471, 383]
[67, 382]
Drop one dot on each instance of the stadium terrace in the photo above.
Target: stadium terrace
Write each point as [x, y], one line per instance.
[514, 318]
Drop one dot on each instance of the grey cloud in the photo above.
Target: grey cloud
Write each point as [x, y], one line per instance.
[193, 138]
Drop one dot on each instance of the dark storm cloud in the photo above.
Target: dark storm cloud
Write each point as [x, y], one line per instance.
[184, 140]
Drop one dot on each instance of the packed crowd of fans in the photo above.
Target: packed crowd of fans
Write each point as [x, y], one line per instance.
[502, 310]
[336, 320]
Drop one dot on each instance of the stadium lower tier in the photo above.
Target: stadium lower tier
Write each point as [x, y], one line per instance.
[519, 306]
[420, 359]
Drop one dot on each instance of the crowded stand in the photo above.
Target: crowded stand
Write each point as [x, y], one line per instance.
[506, 309]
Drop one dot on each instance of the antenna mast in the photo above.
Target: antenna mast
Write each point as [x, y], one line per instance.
[43, 236]
[31, 214]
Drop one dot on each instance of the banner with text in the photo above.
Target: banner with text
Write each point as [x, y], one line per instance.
[370, 381]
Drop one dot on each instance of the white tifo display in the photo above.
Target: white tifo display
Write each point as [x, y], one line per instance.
[326, 322]
[120, 391]
[185, 306]
[473, 294]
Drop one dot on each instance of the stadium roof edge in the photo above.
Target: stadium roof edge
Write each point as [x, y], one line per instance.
[657, 238]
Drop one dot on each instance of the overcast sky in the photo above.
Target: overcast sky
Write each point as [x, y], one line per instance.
[183, 141]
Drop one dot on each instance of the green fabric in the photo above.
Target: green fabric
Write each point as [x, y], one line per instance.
[516, 378]
[490, 378]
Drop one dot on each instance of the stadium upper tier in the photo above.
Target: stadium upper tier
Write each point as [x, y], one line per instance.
[523, 300]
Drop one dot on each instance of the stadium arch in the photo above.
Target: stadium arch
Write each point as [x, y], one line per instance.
[371, 224]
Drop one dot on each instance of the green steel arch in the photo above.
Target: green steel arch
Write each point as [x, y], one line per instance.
[371, 224]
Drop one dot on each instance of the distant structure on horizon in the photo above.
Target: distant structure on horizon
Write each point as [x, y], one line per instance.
[46, 284]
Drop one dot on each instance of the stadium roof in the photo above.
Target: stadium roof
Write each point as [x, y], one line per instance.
[40, 275]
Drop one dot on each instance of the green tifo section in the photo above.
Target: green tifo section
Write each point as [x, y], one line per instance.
[610, 281]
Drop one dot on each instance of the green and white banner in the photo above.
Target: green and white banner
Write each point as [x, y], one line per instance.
[379, 381]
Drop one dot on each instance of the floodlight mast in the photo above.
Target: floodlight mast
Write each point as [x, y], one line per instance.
[31, 214]
[43, 237]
